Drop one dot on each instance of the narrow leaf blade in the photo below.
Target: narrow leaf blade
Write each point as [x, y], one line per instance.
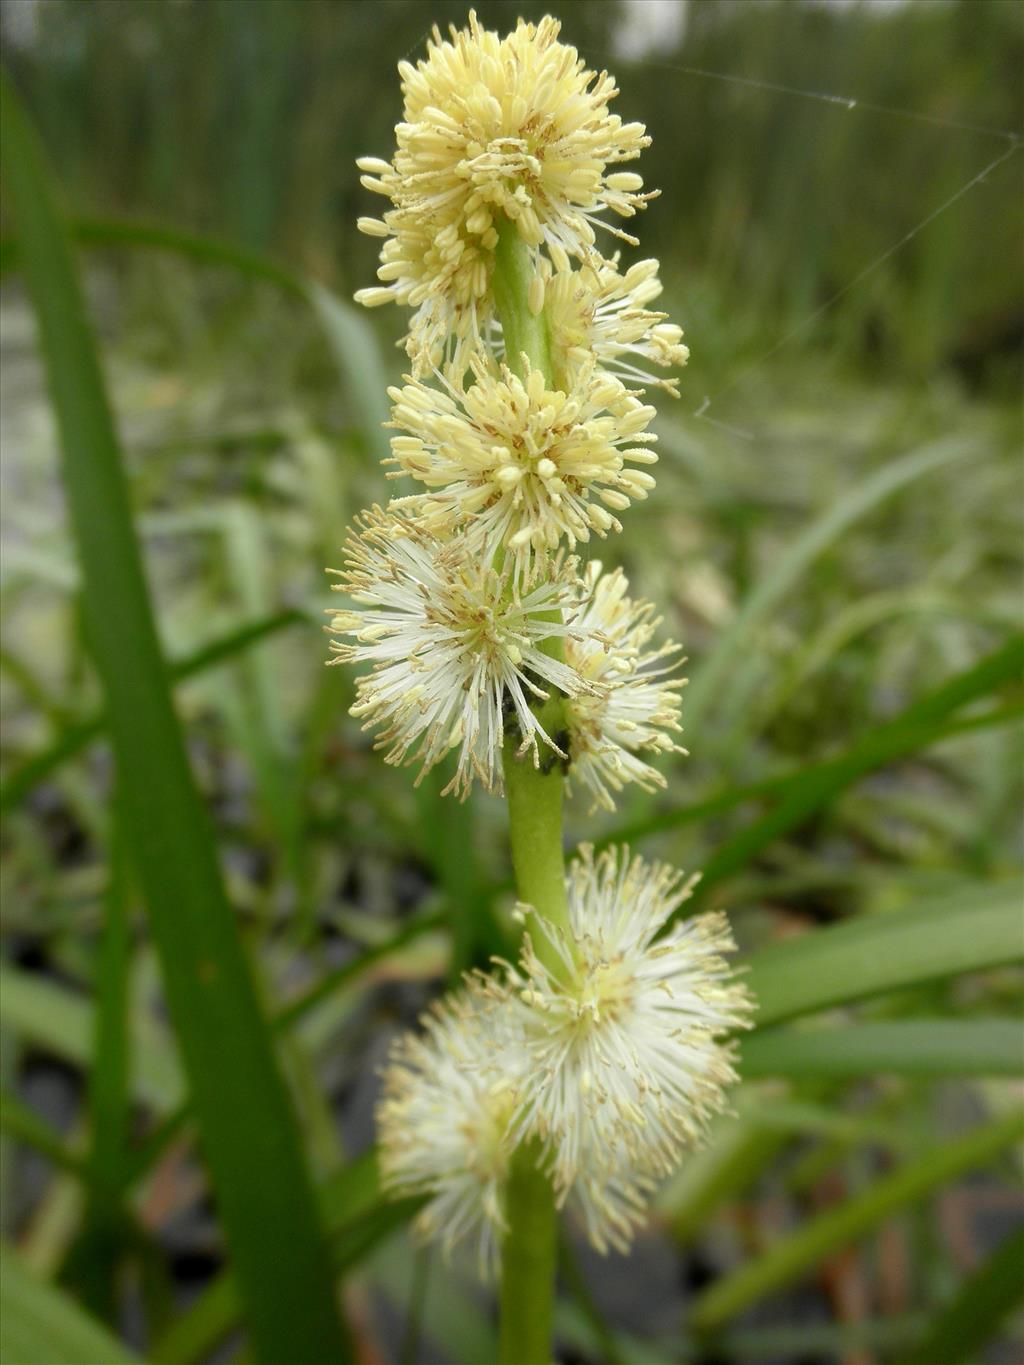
[962, 932]
[790, 1257]
[923, 1048]
[250, 1137]
[42, 1324]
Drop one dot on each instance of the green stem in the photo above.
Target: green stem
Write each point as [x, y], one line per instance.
[535, 832]
[534, 796]
[528, 1262]
[525, 333]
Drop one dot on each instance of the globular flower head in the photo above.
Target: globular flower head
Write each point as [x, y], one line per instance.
[523, 467]
[454, 645]
[442, 274]
[629, 1062]
[610, 1198]
[497, 129]
[634, 707]
[597, 312]
[445, 1120]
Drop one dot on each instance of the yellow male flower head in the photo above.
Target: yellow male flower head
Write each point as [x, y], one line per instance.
[520, 466]
[597, 312]
[495, 129]
[445, 277]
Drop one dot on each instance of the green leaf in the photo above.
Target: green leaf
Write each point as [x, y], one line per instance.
[789, 1258]
[356, 350]
[250, 1137]
[923, 1048]
[104, 232]
[82, 733]
[23, 1123]
[976, 1312]
[919, 725]
[708, 680]
[877, 1337]
[801, 792]
[964, 931]
[42, 1326]
[56, 1019]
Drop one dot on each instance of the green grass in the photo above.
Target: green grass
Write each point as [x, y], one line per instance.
[846, 586]
[249, 1131]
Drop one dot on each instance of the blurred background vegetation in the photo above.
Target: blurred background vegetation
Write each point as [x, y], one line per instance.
[836, 534]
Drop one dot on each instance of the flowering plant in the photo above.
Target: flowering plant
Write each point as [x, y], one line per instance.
[577, 1075]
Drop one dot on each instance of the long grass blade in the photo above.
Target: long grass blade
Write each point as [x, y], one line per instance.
[39, 1323]
[250, 1137]
[856, 503]
[18, 1121]
[922, 1048]
[356, 350]
[791, 1257]
[964, 931]
[919, 725]
[116, 233]
[78, 736]
[975, 1314]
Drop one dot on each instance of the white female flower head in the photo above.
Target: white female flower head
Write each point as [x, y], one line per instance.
[627, 1029]
[609, 1198]
[519, 466]
[445, 1119]
[596, 311]
[455, 646]
[634, 706]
